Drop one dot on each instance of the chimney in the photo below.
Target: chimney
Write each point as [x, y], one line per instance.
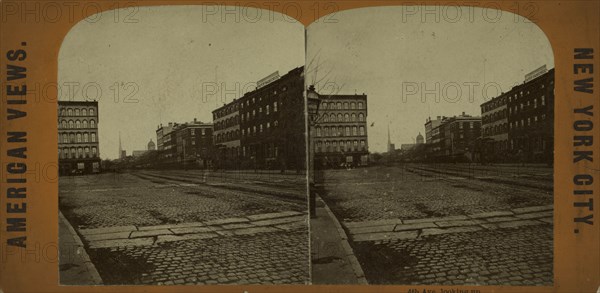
[463, 113]
[194, 120]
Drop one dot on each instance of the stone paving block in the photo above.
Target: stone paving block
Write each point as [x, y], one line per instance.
[518, 223]
[273, 215]
[437, 231]
[172, 238]
[107, 236]
[190, 230]
[491, 214]
[536, 215]
[351, 225]
[169, 226]
[459, 223]
[255, 230]
[372, 229]
[385, 236]
[501, 219]
[122, 242]
[548, 220]
[278, 221]
[136, 234]
[237, 226]
[429, 220]
[415, 226]
[533, 209]
[292, 226]
[107, 230]
[226, 221]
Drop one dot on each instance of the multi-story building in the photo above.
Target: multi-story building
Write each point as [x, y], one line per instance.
[430, 125]
[458, 135]
[78, 147]
[161, 131]
[341, 130]
[272, 123]
[226, 135]
[193, 144]
[531, 119]
[494, 123]
[264, 128]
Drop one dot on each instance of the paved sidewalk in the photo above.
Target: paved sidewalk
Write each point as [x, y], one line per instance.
[381, 230]
[148, 235]
[333, 260]
[75, 265]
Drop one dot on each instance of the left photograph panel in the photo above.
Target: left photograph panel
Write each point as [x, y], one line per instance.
[181, 148]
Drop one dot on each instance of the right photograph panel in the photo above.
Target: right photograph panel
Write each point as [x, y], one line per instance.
[431, 134]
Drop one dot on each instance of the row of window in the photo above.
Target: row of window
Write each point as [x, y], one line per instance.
[260, 112]
[337, 146]
[344, 118]
[78, 137]
[494, 116]
[527, 105]
[342, 106]
[235, 134]
[511, 97]
[77, 153]
[339, 131]
[527, 122]
[77, 112]
[494, 130]
[64, 124]
[234, 106]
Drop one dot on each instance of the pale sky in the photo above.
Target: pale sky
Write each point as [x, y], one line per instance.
[170, 60]
[387, 53]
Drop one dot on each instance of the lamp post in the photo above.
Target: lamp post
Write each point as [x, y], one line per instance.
[312, 105]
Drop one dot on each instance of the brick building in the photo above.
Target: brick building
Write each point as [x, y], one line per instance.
[264, 128]
[341, 130]
[531, 119]
[494, 128]
[78, 147]
[188, 145]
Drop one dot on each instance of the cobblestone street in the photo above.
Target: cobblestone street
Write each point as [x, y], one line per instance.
[191, 227]
[447, 224]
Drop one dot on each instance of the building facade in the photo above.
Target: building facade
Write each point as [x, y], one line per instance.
[341, 130]
[531, 119]
[494, 124]
[161, 132]
[194, 144]
[226, 135]
[78, 147]
[453, 138]
[272, 123]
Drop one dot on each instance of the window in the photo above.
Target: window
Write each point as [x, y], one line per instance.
[65, 138]
[354, 131]
[360, 105]
[84, 112]
[346, 106]
[326, 131]
[352, 105]
[361, 117]
[93, 137]
[274, 106]
[92, 124]
[332, 117]
[92, 112]
[339, 106]
[94, 151]
[192, 132]
[362, 130]
[76, 112]
[347, 118]
[267, 109]
[353, 117]
[340, 118]
[85, 137]
[64, 124]
[318, 131]
[78, 137]
[268, 125]
[85, 124]
[347, 131]
[70, 112]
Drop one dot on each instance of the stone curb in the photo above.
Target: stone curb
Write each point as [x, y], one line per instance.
[358, 271]
[87, 262]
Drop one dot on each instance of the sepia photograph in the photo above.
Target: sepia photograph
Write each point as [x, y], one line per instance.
[181, 149]
[431, 141]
